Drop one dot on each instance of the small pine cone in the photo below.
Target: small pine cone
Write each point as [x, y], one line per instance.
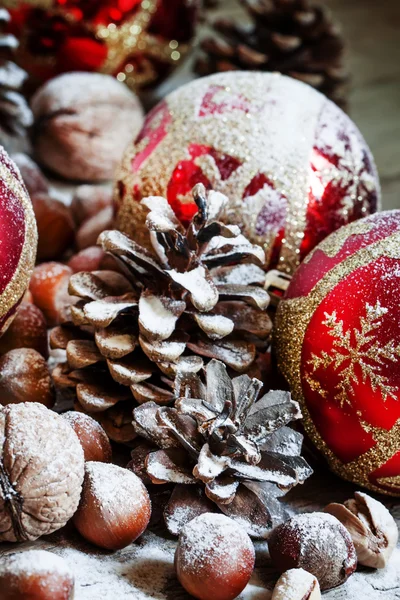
[15, 114]
[198, 296]
[295, 37]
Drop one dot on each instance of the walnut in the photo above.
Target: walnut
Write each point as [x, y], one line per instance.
[371, 526]
[83, 122]
[41, 472]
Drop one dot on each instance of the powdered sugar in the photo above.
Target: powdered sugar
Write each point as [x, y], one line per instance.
[35, 562]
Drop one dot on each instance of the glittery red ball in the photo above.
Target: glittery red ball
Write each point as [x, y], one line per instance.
[293, 165]
[338, 344]
[18, 239]
[140, 41]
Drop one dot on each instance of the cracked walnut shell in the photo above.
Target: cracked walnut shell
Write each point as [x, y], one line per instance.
[41, 472]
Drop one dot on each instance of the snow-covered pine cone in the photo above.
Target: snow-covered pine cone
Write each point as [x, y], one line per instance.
[15, 114]
[198, 296]
[295, 37]
[222, 448]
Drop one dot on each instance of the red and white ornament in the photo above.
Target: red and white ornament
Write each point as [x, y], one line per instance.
[18, 239]
[338, 344]
[293, 165]
[138, 41]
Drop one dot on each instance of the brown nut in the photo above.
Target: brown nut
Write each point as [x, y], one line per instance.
[115, 506]
[296, 584]
[88, 200]
[28, 330]
[95, 443]
[35, 575]
[83, 122]
[49, 288]
[56, 229]
[372, 528]
[316, 542]
[41, 472]
[90, 229]
[35, 181]
[25, 377]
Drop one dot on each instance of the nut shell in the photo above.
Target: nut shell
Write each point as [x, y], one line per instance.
[28, 330]
[115, 507]
[35, 575]
[296, 584]
[372, 528]
[94, 440]
[25, 377]
[317, 543]
[41, 472]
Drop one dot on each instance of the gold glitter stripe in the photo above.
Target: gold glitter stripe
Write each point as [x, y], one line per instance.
[293, 318]
[20, 280]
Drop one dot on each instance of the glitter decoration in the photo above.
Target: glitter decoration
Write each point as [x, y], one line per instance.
[18, 239]
[337, 337]
[138, 41]
[293, 164]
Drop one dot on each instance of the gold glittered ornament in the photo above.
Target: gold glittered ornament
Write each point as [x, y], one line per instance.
[138, 41]
[294, 166]
[18, 239]
[337, 335]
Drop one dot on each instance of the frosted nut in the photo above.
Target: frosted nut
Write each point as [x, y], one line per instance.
[296, 584]
[94, 440]
[83, 122]
[37, 575]
[214, 557]
[41, 472]
[115, 507]
[316, 542]
[372, 528]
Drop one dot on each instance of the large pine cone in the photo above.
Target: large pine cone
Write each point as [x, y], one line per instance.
[199, 296]
[15, 114]
[223, 449]
[294, 37]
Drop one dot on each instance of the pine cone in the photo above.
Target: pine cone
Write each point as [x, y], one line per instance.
[193, 299]
[15, 114]
[222, 449]
[294, 37]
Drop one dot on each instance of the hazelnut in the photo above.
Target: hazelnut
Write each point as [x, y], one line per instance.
[35, 181]
[41, 472]
[56, 229]
[296, 584]
[89, 259]
[28, 330]
[95, 443]
[25, 377]
[371, 526]
[37, 575]
[90, 229]
[214, 557]
[83, 122]
[316, 542]
[49, 288]
[89, 200]
[115, 506]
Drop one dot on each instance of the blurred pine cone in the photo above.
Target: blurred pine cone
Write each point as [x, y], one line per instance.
[295, 37]
[15, 114]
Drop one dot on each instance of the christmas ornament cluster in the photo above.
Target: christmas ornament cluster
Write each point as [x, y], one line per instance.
[138, 384]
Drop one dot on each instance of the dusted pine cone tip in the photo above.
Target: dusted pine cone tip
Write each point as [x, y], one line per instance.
[224, 450]
[295, 37]
[198, 295]
[15, 114]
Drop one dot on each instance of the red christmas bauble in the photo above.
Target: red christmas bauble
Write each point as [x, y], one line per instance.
[139, 41]
[338, 344]
[293, 165]
[18, 239]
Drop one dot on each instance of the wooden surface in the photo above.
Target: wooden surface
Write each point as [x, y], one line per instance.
[145, 570]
